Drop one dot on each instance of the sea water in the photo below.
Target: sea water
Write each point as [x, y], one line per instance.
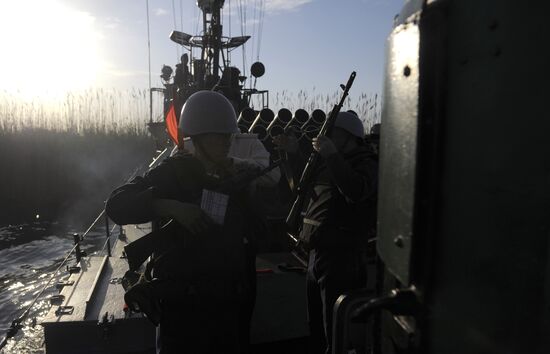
[29, 255]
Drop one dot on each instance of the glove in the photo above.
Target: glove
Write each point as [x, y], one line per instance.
[324, 146]
[190, 216]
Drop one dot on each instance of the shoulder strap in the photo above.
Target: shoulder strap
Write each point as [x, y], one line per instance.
[188, 170]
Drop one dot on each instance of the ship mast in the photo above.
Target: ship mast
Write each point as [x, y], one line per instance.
[212, 70]
[212, 38]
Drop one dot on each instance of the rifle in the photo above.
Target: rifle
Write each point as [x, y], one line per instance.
[162, 240]
[156, 242]
[294, 216]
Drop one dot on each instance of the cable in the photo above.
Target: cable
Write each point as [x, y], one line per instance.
[149, 61]
[198, 14]
[242, 17]
[108, 238]
[229, 20]
[181, 17]
[175, 26]
[16, 324]
[254, 23]
[229, 16]
[261, 27]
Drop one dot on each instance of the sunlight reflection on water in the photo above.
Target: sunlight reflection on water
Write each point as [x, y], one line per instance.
[28, 256]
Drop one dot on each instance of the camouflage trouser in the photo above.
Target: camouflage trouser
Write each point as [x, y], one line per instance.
[329, 275]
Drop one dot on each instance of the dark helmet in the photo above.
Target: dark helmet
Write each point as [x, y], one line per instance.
[351, 123]
[352, 112]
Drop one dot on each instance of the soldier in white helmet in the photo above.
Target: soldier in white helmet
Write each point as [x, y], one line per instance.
[245, 148]
[339, 216]
[203, 272]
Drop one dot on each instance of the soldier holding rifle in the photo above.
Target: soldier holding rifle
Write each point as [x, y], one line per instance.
[202, 290]
[339, 214]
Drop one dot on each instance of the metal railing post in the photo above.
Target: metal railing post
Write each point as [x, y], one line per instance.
[78, 253]
[108, 234]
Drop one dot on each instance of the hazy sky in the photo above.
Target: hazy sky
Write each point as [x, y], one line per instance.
[59, 45]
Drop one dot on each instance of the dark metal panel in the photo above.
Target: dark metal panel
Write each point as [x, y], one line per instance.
[465, 175]
[398, 150]
[487, 293]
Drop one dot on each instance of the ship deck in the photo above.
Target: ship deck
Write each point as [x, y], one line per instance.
[90, 316]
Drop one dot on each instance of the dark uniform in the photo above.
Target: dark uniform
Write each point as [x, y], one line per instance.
[339, 217]
[205, 295]
[182, 77]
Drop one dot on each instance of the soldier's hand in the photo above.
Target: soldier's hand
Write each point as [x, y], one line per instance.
[287, 143]
[191, 217]
[324, 146]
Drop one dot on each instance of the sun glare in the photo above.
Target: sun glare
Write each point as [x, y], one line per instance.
[48, 48]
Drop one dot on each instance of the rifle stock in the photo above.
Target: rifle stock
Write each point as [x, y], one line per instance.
[294, 216]
[156, 242]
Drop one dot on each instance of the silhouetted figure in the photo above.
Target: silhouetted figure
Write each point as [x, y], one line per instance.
[183, 77]
[204, 280]
[338, 217]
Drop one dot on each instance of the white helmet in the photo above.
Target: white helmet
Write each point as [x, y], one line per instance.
[207, 112]
[351, 123]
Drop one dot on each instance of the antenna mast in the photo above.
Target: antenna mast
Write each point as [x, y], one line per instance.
[212, 38]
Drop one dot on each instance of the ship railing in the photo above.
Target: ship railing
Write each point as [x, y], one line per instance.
[264, 96]
[75, 251]
[17, 323]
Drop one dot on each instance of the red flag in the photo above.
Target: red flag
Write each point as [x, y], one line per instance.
[172, 123]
